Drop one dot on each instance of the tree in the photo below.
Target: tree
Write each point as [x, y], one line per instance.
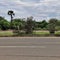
[11, 13]
[58, 23]
[29, 25]
[53, 20]
[52, 25]
[18, 24]
[1, 18]
[43, 24]
[4, 24]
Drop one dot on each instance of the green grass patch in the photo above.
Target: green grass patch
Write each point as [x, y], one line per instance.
[41, 33]
[6, 33]
[34, 34]
[57, 33]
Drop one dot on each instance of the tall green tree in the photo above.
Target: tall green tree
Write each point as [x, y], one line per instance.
[52, 25]
[29, 25]
[11, 13]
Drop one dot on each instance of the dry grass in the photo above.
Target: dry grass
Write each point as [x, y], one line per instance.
[6, 33]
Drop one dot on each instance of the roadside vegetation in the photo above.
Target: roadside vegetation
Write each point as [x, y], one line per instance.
[28, 26]
[6, 33]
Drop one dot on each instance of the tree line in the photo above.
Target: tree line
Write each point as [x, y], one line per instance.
[28, 24]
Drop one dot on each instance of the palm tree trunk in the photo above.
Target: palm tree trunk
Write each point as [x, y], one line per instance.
[11, 21]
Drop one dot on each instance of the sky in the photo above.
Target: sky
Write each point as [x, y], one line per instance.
[39, 9]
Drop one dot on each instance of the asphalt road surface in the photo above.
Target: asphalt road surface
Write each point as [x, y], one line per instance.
[29, 48]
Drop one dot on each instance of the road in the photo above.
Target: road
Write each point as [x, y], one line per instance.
[29, 48]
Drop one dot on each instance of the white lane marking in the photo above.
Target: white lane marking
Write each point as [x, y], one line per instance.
[22, 46]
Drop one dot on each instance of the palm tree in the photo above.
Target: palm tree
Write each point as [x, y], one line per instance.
[11, 13]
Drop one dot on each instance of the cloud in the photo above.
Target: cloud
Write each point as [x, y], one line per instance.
[39, 9]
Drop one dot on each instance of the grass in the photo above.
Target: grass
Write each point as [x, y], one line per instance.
[6, 33]
[41, 33]
[57, 33]
[35, 33]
